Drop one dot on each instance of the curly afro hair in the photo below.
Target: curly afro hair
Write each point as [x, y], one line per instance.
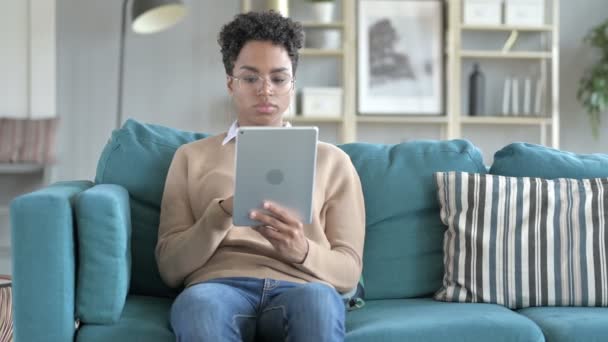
[260, 26]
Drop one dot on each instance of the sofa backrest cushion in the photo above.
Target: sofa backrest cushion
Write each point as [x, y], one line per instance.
[137, 157]
[530, 160]
[403, 255]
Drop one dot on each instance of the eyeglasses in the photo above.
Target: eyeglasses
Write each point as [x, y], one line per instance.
[280, 83]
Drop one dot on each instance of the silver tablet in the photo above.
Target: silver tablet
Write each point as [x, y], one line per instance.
[276, 164]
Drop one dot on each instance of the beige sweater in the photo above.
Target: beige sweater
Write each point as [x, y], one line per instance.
[197, 240]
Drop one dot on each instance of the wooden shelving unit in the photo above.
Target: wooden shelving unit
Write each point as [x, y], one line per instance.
[505, 120]
[548, 64]
[508, 28]
[313, 119]
[322, 52]
[317, 25]
[505, 55]
[402, 119]
[451, 124]
[20, 168]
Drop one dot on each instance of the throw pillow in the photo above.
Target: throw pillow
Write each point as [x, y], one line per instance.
[523, 242]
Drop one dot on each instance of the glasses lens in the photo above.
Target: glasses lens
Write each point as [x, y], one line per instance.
[278, 83]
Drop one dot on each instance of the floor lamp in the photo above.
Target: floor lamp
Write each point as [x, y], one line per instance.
[147, 16]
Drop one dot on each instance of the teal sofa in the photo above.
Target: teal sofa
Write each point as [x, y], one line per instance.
[83, 251]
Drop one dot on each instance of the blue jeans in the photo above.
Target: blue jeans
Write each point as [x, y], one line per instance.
[248, 309]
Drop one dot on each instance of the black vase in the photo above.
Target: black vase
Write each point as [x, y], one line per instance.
[477, 85]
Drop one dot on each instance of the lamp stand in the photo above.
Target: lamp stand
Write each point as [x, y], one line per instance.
[121, 63]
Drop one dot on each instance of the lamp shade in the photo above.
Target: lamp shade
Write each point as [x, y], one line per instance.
[150, 16]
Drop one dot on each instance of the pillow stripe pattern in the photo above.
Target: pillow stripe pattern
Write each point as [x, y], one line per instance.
[523, 242]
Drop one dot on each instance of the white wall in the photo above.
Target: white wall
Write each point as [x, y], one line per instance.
[27, 58]
[578, 17]
[176, 78]
[27, 87]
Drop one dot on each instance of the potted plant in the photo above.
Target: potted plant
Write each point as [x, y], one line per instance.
[593, 86]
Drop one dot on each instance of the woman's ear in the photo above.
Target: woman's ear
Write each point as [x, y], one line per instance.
[230, 84]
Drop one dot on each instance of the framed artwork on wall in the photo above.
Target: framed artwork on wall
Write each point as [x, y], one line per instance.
[400, 57]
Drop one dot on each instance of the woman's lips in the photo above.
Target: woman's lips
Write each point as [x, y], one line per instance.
[265, 108]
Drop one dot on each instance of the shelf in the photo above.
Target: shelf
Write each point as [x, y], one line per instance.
[505, 120]
[402, 119]
[314, 119]
[322, 52]
[20, 168]
[320, 25]
[506, 55]
[543, 28]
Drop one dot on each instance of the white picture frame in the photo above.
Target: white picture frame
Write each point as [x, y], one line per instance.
[400, 67]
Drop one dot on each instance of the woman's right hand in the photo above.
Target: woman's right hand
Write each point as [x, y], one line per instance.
[227, 205]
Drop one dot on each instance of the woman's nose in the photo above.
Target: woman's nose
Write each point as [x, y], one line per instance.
[266, 87]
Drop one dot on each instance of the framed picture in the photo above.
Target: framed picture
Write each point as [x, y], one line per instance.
[399, 57]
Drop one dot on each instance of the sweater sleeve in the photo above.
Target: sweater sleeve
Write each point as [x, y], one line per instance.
[341, 263]
[184, 243]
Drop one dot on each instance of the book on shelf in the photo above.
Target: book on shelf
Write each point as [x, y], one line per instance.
[515, 96]
[540, 94]
[506, 96]
[527, 109]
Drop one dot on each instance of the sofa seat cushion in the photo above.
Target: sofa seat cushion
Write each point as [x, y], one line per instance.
[428, 320]
[143, 319]
[570, 324]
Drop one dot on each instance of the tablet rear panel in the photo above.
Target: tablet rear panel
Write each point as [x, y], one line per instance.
[276, 164]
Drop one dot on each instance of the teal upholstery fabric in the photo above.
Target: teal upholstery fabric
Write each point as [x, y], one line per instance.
[44, 265]
[570, 324]
[147, 319]
[137, 157]
[403, 255]
[529, 160]
[144, 319]
[104, 243]
[431, 321]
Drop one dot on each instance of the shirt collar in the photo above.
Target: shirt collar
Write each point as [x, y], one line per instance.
[235, 127]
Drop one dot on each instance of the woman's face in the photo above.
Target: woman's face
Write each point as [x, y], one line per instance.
[261, 84]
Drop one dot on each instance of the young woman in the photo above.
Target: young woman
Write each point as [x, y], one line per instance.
[279, 280]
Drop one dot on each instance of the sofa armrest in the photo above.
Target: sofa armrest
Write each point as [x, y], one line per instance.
[42, 239]
[103, 217]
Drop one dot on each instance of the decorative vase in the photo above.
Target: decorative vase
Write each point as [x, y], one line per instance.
[476, 91]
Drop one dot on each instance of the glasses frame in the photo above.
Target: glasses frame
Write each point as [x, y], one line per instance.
[266, 80]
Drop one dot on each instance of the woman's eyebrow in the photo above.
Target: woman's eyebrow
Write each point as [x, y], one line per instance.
[254, 69]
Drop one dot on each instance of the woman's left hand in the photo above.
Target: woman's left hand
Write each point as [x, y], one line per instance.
[283, 231]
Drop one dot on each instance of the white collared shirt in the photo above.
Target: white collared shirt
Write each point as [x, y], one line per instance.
[234, 129]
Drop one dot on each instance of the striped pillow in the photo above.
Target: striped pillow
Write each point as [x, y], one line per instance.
[523, 242]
